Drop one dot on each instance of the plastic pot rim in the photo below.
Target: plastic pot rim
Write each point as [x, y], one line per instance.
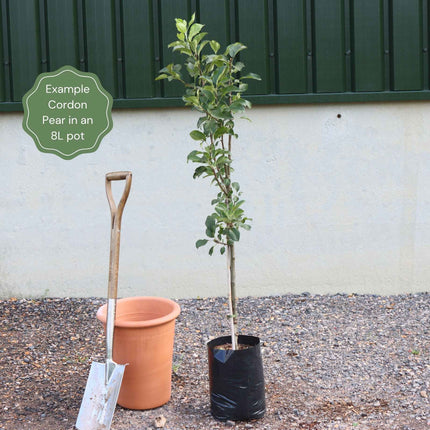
[211, 344]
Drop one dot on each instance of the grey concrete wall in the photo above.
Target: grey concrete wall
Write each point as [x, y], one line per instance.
[338, 205]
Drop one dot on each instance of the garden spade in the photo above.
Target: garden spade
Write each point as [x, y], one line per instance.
[104, 381]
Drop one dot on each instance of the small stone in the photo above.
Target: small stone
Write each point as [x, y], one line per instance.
[230, 423]
[424, 394]
[160, 421]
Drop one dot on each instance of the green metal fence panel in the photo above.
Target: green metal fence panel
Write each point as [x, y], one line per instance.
[101, 42]
[62, 31]
[368, 45]
[138, 48]
[252, 19]
[216, 20]
[426, 39]
[407, 45]
[329, 43]
[2, 57]
[304, 50]
[292, 46]
[5, 79]
[24, 45]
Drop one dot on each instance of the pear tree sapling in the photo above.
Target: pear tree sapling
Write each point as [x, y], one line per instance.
[214, 83]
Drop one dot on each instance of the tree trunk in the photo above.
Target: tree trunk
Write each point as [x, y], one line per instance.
[231, 271]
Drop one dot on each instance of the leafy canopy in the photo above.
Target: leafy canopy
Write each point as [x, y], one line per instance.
[214, 83]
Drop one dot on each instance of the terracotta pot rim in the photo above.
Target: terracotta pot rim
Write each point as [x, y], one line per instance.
[101, 313]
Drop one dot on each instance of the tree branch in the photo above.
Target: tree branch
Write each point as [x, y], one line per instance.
[231, 272]
[221, 186]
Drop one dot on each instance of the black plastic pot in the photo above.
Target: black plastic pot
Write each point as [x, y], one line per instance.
[236, 380]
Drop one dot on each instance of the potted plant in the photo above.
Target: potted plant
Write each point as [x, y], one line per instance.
[214, 84]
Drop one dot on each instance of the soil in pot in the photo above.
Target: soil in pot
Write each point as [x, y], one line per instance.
[229, 346]
[236, 379]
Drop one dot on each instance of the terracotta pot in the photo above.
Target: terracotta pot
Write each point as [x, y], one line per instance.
[143, 338]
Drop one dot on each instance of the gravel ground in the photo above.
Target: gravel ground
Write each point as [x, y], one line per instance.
[331, 362]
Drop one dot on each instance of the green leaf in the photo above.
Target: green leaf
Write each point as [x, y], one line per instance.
[203, 44]
[185, 51]
[229, 89]
[221, 210]
[218, 113]
[234, 49]
[181, 25]
[211, 250]
[236, 186]
[246, 227]
[239, 66]
[215, 46]
[218, 73]
[199, 171]
[198, 135]
[173, 70]
[222, 250]
[247, 104]
[222, 160]
[195, 157]
[195, 29]
[238, 105]
[252, 76]
[210, 226]
[162, 76]
[233, 234]
[193, 18]
[210, 126]
[201, 120]
[208, 94]
[191, 100]
[176, 43]
[201, 242]
[220, 131]
[217, 59]
[243, 87]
